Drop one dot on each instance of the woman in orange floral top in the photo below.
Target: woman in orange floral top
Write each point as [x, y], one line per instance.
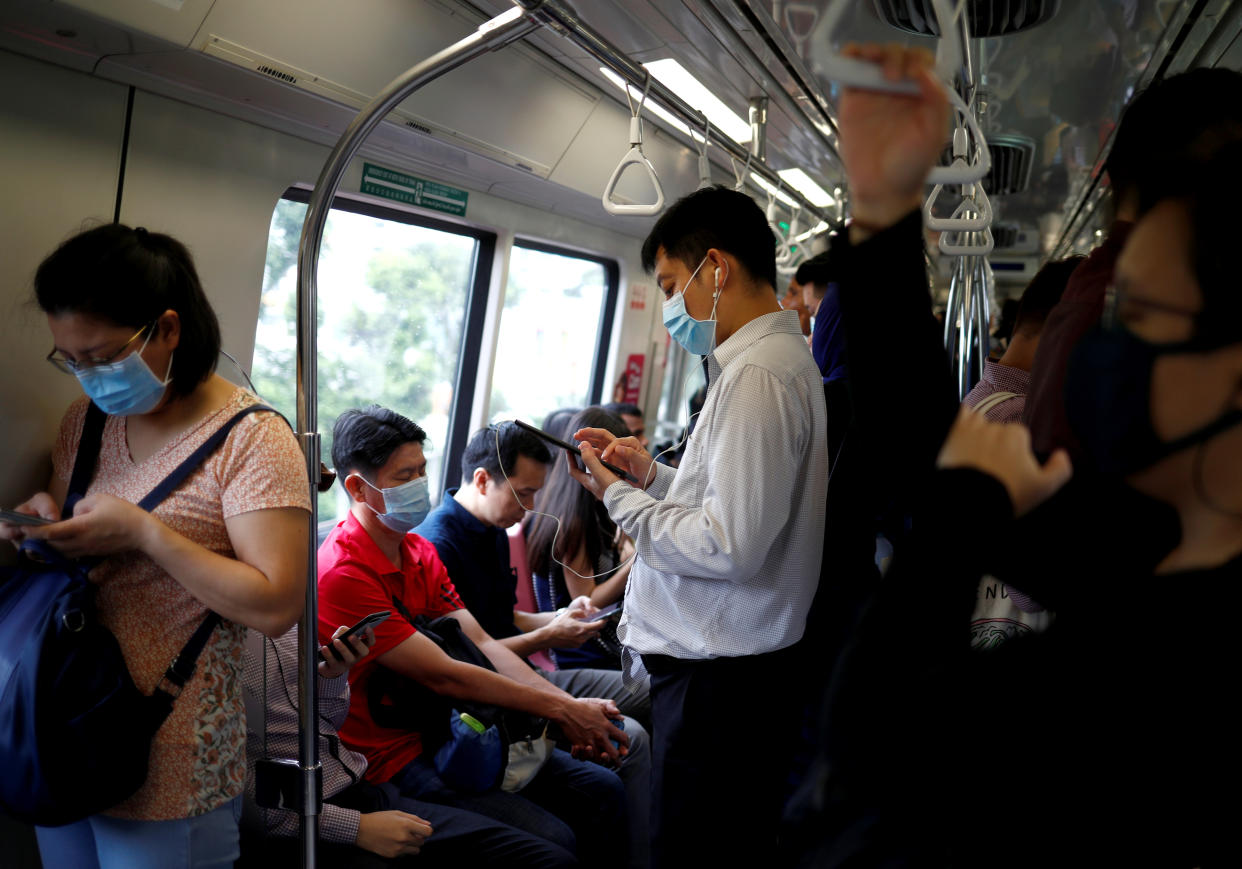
[129, 318]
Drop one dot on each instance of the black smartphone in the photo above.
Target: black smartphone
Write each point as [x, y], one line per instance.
[15, 518]
[363, 623]
[555, 441]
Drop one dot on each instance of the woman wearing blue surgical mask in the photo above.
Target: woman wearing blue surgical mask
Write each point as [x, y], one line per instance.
[129, 319]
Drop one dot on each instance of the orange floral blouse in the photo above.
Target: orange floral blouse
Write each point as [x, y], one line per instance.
[198, 757]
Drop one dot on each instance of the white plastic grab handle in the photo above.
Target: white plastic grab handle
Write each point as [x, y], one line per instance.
[962, 172]
[634, 156]
[853, 72]
[957, 222]
[982, 249]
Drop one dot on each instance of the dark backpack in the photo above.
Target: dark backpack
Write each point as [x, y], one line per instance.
[75, 732]
[399, 702]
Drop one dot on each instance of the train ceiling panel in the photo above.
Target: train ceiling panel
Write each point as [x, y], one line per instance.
[174, 20]
[518, 109]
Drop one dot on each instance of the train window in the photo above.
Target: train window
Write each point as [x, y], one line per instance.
[394, 298]
[555, 329]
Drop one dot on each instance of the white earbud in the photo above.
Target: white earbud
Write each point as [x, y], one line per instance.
[716, 278]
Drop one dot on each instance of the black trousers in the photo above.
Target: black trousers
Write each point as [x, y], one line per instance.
[723, 733]
[460, 839]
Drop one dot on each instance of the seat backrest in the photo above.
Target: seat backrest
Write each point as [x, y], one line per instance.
[525, 590]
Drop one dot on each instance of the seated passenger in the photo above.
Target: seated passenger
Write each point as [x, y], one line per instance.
[632, 416]
[468, 532]
[591, 554]
[370, 562]
[364, 825]
[1001, 395]
[130, 320]
[556, 422]
[1106, 739]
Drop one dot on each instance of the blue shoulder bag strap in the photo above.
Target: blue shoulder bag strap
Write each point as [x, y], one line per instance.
[182, 667]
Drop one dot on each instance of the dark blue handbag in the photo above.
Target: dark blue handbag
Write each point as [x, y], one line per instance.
[75, 732]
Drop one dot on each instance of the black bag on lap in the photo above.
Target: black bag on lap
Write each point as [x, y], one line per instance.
[399, 702]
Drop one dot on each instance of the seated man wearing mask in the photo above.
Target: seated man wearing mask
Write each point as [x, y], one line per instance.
[728, 543]
[370, 562]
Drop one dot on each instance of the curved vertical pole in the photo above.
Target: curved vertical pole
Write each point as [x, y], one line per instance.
[950, 310]
[965, 330]
[508, 26]
[983, 318]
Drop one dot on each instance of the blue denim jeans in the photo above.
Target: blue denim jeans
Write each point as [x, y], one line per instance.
[207, 841]
[575, 804]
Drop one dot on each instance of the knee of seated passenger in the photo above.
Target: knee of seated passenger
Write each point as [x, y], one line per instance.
[640, 741]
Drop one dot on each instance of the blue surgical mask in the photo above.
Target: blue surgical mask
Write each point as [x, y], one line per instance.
[697, 336]
[407, 505]
[126, 387]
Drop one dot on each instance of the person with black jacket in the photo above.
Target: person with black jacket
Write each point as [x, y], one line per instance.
[1106, 739]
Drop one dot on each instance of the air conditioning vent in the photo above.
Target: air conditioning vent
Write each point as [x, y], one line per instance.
[420, 127]
[986, 17]
[1012, 160]
[1004, 235]
[277, 73]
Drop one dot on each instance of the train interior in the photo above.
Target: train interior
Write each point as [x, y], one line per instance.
[470, 270]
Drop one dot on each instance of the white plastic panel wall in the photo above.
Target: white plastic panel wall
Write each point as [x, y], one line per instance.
[507, 101]
[212, 182]
[174, 20]
[59, 155]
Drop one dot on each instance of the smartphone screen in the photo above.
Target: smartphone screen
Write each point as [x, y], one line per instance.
[15, 518]
[555, 441]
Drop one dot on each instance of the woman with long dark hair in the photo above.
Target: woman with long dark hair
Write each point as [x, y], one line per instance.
[587, 544]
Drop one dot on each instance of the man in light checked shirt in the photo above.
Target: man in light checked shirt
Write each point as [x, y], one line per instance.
[728, 544]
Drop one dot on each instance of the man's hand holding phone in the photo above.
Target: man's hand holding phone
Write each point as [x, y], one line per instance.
[626, 452]
[348, 646]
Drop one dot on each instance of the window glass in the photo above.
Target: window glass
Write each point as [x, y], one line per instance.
[392, 304]
[549, 332]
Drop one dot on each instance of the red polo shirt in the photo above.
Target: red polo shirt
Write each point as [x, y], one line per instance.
[356, 579]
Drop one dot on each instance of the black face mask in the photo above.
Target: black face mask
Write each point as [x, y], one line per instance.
[1108, 401]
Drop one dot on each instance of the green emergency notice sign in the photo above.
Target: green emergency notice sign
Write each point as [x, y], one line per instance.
[412, 190]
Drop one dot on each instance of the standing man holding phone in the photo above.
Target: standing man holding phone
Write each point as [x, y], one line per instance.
[729, 543]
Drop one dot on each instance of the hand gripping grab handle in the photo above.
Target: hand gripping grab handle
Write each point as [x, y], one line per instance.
[634, 156]
[853, 72]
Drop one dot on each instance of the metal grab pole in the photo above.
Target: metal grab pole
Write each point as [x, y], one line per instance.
[510, 25]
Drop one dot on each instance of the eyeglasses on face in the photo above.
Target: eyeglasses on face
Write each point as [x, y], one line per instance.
[69, 366]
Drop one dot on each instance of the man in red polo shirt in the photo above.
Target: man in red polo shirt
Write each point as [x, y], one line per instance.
[368, 560]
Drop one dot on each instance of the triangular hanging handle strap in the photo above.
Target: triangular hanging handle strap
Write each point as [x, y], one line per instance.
[634, 156]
